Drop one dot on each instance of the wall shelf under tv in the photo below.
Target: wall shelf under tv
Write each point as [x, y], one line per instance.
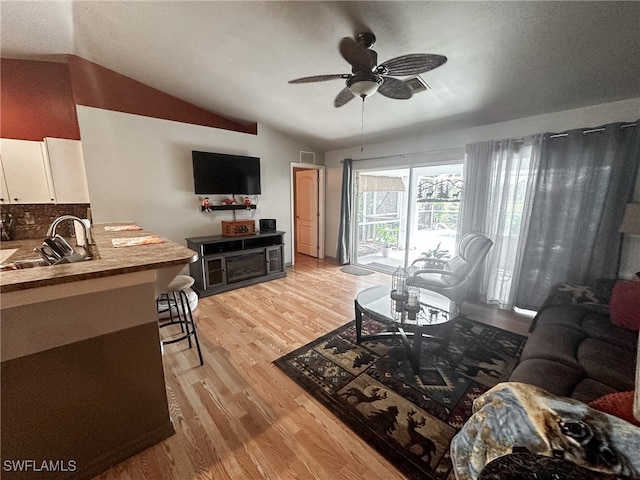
[230, 207]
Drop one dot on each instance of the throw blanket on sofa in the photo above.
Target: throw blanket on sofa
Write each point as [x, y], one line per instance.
[519, 415]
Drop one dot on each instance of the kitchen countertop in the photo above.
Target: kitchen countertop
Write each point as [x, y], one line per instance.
[108, 260]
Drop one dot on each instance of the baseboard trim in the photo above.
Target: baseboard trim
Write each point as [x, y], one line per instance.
[114, 457]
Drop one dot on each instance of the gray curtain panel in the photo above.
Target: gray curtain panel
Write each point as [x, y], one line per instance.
[344, 232]
[583, 183]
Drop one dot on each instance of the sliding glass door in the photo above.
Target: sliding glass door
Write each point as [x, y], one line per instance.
[405, 213]
[381, 214]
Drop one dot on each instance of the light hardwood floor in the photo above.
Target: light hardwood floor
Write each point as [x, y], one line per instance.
[239, 416]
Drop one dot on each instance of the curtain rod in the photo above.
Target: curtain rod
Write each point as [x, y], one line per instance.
[584, 132]
[520, 140]
[404, 155]
[592, 130]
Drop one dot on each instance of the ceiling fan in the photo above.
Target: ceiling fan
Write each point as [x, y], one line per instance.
[368, 77]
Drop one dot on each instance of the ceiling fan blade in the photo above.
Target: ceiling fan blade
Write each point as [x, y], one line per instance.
[412, 64]
[320, 78]
[394, 88]
[343, 97]
[358, 56]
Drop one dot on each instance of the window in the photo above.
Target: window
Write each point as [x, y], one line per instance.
[403, 213]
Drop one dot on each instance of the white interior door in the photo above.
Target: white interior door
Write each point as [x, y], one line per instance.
[307, 212]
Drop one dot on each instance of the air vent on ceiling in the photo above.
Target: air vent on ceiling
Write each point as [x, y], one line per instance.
[307, 157]
[417, 84]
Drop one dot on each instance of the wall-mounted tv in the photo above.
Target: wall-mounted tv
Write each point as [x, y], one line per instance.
[219, 173]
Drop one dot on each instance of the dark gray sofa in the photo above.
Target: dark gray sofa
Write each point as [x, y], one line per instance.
[574, 350]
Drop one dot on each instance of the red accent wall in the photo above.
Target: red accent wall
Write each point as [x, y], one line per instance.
[37, 101]
[96, 86]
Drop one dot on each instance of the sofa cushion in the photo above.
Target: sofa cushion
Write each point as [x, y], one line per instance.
[558, 343]
[560, 380]
[568, 295]
[589, 389]
[565, 315]
[601, 328]
[549, 375]
[595, 325]
[607, 363]
[625, 305]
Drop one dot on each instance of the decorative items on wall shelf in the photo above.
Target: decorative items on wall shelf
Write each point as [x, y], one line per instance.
[227, 204]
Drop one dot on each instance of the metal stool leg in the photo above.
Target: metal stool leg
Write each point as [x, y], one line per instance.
[182, 314]
[188, 312]
[168, 307]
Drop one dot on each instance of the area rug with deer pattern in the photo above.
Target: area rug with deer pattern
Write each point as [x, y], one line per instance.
[408, 418]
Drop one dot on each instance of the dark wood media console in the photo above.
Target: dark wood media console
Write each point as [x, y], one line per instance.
[226, 263]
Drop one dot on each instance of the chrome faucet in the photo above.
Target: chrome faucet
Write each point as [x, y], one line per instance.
[51, 232]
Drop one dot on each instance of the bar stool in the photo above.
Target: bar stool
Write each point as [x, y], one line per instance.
[175, 298]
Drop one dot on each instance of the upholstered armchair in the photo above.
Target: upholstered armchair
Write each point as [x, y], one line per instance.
[454, 280]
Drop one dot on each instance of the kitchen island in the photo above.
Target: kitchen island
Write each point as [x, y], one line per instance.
[81, 375]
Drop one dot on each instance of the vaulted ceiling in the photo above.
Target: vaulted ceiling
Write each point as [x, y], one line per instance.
[506, 60]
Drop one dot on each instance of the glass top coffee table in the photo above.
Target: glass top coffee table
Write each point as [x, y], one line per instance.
[433, 321]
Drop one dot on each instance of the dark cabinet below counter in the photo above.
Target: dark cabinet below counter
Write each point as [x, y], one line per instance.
[227, 263]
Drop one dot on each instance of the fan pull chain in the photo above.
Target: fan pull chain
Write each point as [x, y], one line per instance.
[362, 126]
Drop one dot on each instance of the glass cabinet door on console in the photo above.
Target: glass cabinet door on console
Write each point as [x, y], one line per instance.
[274, 259]
[215, 271]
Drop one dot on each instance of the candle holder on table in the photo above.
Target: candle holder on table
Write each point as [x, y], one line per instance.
[412, 305]
[399, 292]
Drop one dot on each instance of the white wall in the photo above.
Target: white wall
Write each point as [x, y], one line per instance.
[443, 143]
[139, 169]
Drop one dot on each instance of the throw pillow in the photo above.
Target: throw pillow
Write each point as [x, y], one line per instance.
[625, 305]
[619, 404]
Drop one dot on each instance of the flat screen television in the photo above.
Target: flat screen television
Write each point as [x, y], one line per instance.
[219, 173]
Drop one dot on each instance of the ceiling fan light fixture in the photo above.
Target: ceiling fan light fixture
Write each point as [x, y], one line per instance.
[364, 86]
[368, 77]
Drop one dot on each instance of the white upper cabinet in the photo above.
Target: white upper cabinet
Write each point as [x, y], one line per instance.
[51, 171]
[26, 172]
[67, 168]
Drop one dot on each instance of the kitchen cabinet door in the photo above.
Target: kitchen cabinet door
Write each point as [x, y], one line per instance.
[67, 169]
[26, 171]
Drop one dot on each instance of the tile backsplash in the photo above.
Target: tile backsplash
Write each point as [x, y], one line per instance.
[31, 221]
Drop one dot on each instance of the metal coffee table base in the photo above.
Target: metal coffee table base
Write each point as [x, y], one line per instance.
[418, 334]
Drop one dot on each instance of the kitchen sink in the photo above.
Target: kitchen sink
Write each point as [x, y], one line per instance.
[29, 263]
[39, 262]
